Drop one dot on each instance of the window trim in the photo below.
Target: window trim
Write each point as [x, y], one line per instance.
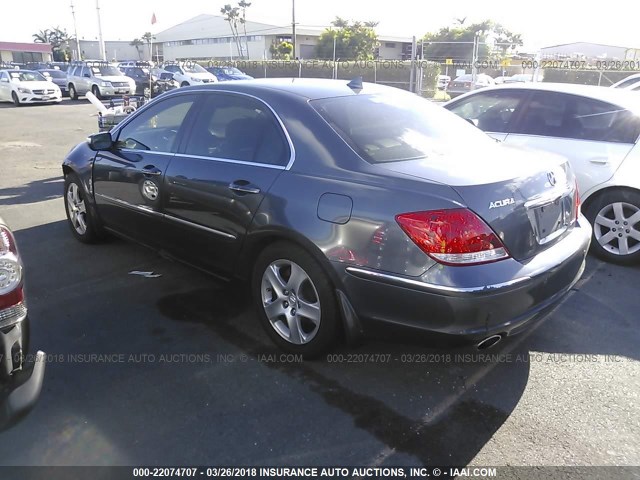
[292, 152]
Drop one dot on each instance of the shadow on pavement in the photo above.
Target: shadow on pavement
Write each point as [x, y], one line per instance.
[36, 191]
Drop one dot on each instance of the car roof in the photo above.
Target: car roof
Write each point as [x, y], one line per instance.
[309, 88]
[620, 97]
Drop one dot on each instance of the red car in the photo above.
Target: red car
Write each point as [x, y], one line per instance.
[20, 377]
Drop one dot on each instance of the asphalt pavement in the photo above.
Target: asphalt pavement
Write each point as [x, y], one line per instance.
[173, 368]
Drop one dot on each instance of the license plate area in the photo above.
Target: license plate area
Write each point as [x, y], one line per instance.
[550, 218]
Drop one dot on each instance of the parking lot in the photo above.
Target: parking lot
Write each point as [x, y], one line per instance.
[175, 369]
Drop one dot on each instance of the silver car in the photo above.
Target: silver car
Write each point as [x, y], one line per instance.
[99, 78]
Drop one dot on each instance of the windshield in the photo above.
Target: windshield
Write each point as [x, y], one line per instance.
[55, 73]
[193, 68]
[27, 76]
[105, 71]
[396, 127]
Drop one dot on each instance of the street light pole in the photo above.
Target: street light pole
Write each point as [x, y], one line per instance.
[103, 51]
[293, 25]
[75, 30]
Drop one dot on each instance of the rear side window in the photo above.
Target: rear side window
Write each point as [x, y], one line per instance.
[398, 126]
[555, 114]
[489, 111]
[235, 127]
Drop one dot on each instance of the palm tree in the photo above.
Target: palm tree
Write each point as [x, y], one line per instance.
[42, 36]
[232, 15]
[148, 38]
[243, 6]
[136, 42]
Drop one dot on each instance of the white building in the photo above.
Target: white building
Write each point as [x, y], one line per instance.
[589, 51]
[116, 50]
[209, 37]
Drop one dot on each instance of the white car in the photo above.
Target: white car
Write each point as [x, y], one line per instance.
[27, 86]
[628, 83]
[596, 128]
[188, 73]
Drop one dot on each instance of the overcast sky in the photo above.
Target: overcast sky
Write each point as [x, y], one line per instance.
[542, 22]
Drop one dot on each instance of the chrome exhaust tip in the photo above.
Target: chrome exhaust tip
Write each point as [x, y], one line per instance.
[489, 342]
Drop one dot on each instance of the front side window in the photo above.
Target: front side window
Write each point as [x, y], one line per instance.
[235, 127]
[489, 111]
[156, 128]
[398, 126]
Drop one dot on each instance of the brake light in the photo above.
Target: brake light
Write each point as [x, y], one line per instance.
[10, 270]
[453, 237]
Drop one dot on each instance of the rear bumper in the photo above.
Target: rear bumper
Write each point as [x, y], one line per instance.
[21, 377]
[469, 302]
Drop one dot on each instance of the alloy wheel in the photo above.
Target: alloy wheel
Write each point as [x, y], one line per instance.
[76, 209]
[290, 301]
[617, 228]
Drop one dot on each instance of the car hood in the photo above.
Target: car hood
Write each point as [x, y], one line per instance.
[202, 75]
[35, 85]
[115, 78]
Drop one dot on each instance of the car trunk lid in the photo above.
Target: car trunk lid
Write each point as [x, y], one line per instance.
[527, 198]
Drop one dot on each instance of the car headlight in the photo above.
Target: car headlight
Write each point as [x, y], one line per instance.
[24, 90]
[10, 265]
[195, 79]
[105, 84]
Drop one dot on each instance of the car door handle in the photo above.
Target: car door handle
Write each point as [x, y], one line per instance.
[599, 160]
[151, 170]
[242, 186]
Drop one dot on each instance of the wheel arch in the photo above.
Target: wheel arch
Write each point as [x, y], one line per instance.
[603, 191]
[257, 241]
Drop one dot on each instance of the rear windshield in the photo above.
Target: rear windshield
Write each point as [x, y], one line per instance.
[56, 73]
[396, 127]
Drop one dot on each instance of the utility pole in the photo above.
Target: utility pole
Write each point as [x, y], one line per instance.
[75, 30]
[103, 51]
[293, 25]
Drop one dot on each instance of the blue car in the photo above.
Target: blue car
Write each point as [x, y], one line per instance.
[228, 73]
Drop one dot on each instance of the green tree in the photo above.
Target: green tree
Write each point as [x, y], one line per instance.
[353, 40]
[137, 43]
[281, 51]
[58, 39]
[495, 41]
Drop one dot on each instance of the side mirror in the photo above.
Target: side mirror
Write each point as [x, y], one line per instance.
[86, 75]
[100, 141]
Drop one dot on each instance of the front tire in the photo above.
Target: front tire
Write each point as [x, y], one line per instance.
[615, 217]
[16, 100]
[295, 300]
[73, 93]
[80, 216]
[96, 91]
[184, 84]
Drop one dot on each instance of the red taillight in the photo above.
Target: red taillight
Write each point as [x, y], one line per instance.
[10, 270]
[453, 237]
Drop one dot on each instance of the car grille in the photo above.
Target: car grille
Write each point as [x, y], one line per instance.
[43, 92]
[120, 84]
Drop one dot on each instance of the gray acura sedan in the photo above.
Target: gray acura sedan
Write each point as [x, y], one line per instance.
[347, 206]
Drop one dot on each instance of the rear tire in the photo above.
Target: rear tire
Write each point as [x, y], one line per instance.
[73, 93]
[295, 300]
[16, 100]
[80, 215]
[615, 218]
